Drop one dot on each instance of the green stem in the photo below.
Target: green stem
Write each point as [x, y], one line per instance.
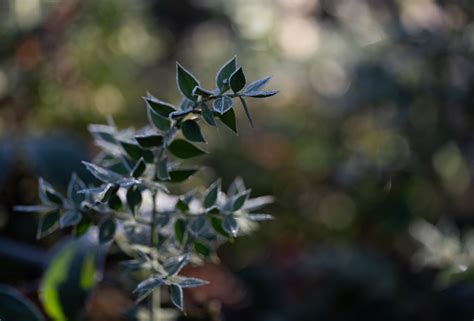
[155, 295]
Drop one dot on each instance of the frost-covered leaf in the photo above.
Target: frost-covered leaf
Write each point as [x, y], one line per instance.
[222, 104]
[224, 73]
[186, 82]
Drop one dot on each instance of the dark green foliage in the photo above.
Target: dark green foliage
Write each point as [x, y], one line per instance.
[131, 173]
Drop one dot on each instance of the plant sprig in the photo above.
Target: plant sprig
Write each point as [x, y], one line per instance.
[135, 168]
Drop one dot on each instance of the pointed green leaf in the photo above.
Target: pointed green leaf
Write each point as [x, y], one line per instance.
[149, 141]
[202, 249]
[69, 279]
[182, 206]
[186, 82]
[246, 109]
[229, 120]
[75, 185]
[237, 80]
[160, 107]
[239, 200]
[48, 224]
[217, 226]
[192, 132]
[224, 73]
[222, 104]
[260, 93]
[48, 195]
[139, 168]
[186, 282]
[147, 286]
[257, 85]
[115, 202]
[107, 230]
[176, 264]
[103, 174]
[197, 225]
[176, 294]
[134, 198]
[180, 175]
[179, 229]
[207, 115]
[108, 191]
[230, 225]
[70, 218]
[183, 149]
[210, 197]
[135, 152]
[158, 121]
[82, 227]
[199, 91]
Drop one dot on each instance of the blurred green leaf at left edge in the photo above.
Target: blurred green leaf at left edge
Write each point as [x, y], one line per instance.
[70, 277]
[14, 306]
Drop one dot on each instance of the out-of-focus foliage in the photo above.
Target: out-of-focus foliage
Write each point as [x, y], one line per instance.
[372, 132]
[14, 305]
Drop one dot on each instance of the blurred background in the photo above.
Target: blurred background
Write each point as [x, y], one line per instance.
[368, 148]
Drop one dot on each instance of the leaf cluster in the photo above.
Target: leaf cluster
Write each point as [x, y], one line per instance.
[131, 203]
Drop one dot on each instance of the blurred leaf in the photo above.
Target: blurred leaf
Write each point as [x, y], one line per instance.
[115, 202]
[183, 149]
[139, 168]
[180, 175]
[75, 185]
[147, 286]
[107, 230]
[15, 306]
[103, 174]
[82, 227]
[48, 195]
[230, 225]
[69, 279]
[197, 225]
[223, 75]
[136, 152]
[70, 218]
[109, 191]
[237, 80]
[176, 294]
[202, 249]
[192, 132]
[179, 229]
[182, 205]
[222, 104]
[186, 82]
[149, 141]
[134, 199]
[163, 171]
[48, 223]
[207, 115]
[260, 217]
[210, 197]
[175, 265]
[217, 226]
[239, 200]
[186, 282]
